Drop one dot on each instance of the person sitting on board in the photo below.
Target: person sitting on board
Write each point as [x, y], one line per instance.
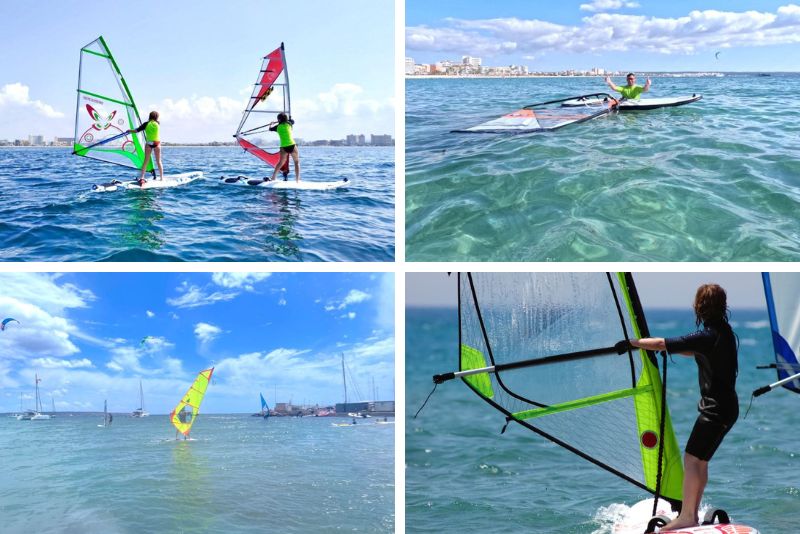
[630, 91]
[714, 349]
[153, 144]
[288, 147]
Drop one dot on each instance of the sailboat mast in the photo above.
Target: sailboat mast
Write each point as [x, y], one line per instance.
[141, 396]
[38, 401]
[344, 381]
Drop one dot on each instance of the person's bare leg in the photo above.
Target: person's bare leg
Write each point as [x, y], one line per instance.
[296, 158]
[147, 150]
[157, 153]
[695, 478]
[281, 161]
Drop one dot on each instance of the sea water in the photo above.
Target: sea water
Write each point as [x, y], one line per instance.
[238, 474]
[462, 475]
[716, 180]
[47, 212]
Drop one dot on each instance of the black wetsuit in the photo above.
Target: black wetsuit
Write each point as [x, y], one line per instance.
[715, 352]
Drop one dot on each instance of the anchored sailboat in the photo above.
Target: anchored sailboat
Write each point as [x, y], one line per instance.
[140, 411]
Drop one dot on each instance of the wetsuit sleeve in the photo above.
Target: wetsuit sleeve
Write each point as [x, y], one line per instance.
[698, 342]
[291, 121]
[141, 128]
[273, 128]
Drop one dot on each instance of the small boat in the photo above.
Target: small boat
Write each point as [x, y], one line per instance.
[140, 412]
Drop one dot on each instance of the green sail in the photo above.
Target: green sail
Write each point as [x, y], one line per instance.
[105, 111]
[604, 407]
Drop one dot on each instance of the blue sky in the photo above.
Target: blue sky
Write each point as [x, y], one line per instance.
[83, 333]
[652, 35]
[195, 62]
[657, 290]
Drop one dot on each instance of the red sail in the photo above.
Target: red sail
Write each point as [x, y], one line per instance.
[269, 158]
[271, 72]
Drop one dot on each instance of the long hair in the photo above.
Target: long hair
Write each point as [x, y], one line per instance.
[710, 304]
[153, 116]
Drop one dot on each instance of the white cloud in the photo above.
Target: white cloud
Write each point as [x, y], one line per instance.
[206, 333]
[43, 291]
[238, 280]
[39, 332]
[16, 95]
[150, 314]
[607, 5]
[348, 315]
[689, 34]
[354, 297]
[151, 344]
[54, 363]
[193, 296]
[173, 315]
[342, 109]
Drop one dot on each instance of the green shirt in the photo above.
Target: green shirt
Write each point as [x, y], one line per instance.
[151, 131]
[631, 93]
[284, 130]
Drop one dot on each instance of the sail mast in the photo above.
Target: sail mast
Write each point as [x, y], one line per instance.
[344, 381]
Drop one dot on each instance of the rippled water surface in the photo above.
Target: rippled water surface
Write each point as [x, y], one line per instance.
[47, 213]
[462, 475]
[242, 474]
[717, 180]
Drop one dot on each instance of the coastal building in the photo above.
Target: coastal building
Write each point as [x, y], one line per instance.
[381, 140]
[409, 65]
[36, 140]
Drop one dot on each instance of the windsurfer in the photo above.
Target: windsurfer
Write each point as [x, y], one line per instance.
[630, 91]
[153, 144]
[714, 349]
[288, 147]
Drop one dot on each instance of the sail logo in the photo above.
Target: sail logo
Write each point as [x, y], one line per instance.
[103, 121]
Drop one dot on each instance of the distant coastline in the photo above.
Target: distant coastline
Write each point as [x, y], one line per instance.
[640, 73]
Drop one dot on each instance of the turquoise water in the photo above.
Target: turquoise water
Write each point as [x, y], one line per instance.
[47, 213]
[240, 475]
[463, 476]
[717, 180]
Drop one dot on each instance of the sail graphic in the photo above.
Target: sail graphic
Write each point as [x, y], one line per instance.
[539, 348]
[105, 111]
[270, 96]
[264, 407]
[185, 413]
[782, 291]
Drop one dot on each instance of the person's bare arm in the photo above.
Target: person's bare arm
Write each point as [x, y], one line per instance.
[611, 84]
[646, 86]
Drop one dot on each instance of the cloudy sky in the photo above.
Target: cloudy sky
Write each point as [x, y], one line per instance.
[92, 336]
[196, 61]
[636, 35]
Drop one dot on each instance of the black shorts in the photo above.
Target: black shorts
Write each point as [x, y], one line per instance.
[288, 149]
[706, 437]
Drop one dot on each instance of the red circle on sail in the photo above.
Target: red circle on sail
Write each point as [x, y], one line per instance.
[649, 439]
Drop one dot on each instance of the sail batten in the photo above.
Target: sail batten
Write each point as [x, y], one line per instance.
[600, 405]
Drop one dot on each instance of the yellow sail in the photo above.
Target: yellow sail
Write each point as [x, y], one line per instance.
[186, 411]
